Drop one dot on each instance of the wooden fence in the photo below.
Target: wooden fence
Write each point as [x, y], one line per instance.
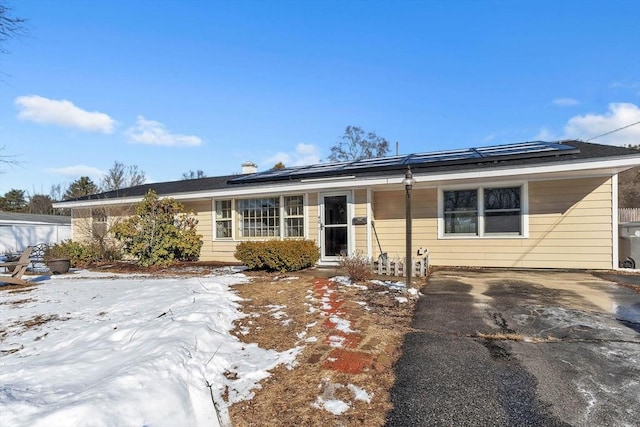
[629, 215]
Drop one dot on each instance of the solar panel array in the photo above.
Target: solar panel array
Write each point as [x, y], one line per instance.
[522, 150]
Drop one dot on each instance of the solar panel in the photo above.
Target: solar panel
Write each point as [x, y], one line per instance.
[493, 153]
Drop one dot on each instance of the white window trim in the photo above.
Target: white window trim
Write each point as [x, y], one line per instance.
[234, 230]
[524, 210]
[214, 228]
[285, 217]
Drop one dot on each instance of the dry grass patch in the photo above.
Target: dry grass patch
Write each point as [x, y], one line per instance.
[285, 312]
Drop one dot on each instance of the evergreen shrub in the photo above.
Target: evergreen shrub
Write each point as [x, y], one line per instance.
[278, 255]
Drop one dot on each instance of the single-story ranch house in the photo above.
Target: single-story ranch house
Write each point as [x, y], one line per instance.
[534, 205]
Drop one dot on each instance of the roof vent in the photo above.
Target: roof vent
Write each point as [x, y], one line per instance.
[249, 167]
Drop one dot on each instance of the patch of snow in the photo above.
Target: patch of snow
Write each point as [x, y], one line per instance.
[311, 325]
[413, 291]
[286, 322]
[360, 393]
[278, 315]
[402, 300]
[311, 339]
[301, 335]
[341, 324]
[343, 280]
[395, 285]
[335, 406]
[336, 341]
[128, 351]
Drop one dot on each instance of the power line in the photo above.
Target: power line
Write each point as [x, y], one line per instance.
[614, 131]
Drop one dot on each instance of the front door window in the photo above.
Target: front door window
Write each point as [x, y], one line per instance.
[336, 225]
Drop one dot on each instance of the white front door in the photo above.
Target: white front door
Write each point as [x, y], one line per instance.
[334, 226]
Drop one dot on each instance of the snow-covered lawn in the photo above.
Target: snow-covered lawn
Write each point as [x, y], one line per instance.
[90, 350]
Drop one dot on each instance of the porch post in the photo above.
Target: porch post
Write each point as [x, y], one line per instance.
[408, 182]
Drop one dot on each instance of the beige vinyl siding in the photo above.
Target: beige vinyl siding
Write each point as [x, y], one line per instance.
[389, 216]
[218, 250]
[570, 226]
[80, 225]
[360, 231]
[313, 217]
[82, 219]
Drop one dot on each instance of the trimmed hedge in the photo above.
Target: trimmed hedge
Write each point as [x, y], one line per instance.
[278, 255]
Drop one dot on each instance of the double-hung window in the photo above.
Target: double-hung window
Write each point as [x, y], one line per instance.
[502, 212]
[223, 219]
[483, 212]
[461, 212]
[293, 216]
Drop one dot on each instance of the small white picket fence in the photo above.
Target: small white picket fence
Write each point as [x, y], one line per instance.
[386, 266]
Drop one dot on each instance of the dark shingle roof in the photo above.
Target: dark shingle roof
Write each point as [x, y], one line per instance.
[23, 217]
[169, 187]
[582, 151]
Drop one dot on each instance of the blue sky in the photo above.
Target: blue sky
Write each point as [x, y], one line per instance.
[173, 86]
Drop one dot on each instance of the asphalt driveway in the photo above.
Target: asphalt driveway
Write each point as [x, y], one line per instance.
[525, 348]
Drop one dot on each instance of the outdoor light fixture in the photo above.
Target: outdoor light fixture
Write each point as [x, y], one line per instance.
[408, 182]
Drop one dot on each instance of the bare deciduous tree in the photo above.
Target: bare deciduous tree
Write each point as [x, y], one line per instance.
[356, 144]
[629, 186]
[6, 160]
[40, 204]
[194, 174]
[10, 26]
[122, 176]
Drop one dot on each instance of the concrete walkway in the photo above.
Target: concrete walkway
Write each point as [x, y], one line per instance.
[528, 348]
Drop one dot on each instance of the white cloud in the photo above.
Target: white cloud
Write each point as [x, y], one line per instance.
[151, 132]
[304, 154]
[62, 113]
[78, 171]
[565, 102]
[591, 125]
[619, 115]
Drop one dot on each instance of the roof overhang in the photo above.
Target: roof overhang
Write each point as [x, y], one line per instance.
[555, 170]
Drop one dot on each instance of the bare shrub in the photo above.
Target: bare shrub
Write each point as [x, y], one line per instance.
[357, 267]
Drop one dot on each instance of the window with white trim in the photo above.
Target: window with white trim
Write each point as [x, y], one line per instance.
[461, 212]
[484, 211]
[258, 217]
[502, 212]
[274, 217]
[293, 216]
[223, 219]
